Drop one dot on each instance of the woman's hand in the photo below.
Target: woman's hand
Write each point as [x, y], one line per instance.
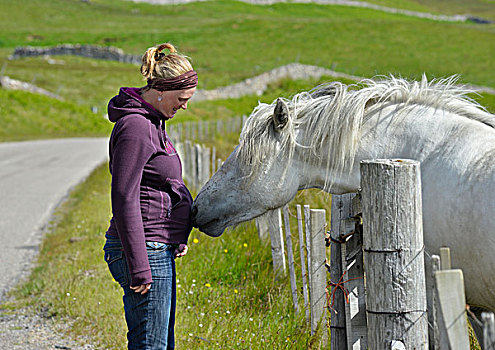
[181, 251]
[143, 289]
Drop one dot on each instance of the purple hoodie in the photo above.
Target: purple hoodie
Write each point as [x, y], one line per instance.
[149, 199]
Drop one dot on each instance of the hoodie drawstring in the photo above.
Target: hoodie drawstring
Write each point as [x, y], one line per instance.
[162, 132]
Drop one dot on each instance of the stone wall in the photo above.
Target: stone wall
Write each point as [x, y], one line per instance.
[12, 84]
[90, 51]
[255, 85]
[258, 84]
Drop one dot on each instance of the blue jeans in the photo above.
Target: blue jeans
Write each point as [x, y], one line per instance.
[150, 317]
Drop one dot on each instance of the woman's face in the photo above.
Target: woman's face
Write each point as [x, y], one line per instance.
[174, 100]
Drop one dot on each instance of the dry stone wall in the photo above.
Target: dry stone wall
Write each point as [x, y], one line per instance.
[90, 51]
[251, 86]
[12, 84]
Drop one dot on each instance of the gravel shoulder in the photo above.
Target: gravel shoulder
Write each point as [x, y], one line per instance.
[25, 329]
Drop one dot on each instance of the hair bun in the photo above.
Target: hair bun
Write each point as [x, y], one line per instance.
[167, 46]
[159, 55]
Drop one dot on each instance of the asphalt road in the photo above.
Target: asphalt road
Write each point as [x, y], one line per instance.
[35, 176]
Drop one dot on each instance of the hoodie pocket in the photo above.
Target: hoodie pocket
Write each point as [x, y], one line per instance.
[165, 205]
[171, 196]
[156, 205]
[159, 203]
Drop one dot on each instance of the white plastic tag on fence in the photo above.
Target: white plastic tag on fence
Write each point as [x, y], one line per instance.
[397, 345]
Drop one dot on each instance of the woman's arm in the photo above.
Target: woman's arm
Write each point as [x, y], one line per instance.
[131, 150]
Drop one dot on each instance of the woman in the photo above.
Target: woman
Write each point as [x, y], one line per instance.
[150, 203]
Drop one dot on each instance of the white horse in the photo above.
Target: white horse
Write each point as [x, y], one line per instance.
[317, 139]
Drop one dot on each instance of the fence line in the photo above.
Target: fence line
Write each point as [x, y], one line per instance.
[204, 130]
[446, 305]
[347, 234]
[312, 251]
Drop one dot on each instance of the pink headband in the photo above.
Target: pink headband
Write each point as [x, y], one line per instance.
[182, 82]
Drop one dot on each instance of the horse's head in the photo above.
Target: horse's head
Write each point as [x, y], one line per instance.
[262, 173]
[284, 147]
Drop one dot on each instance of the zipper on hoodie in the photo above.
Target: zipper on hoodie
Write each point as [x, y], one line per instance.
[162, 131]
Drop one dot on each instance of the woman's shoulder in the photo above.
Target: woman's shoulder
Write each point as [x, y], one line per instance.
[134, 123]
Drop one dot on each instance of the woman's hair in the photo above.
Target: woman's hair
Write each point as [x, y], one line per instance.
[158, 65]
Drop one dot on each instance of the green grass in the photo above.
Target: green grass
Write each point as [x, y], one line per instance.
[28, 116]
[227, 294]
[230, 41]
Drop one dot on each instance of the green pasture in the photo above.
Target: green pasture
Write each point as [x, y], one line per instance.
[229, 41]
[228, 297]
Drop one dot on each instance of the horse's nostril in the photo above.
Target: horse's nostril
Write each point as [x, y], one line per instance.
[194, 210]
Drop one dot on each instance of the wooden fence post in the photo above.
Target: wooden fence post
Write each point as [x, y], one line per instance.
[262, 226]
[450, 305]
[341, 208]
[348, 323]
[394, 254]
[200, 131]
[277, 241]
[433, 316]
[303, 261]
[206, 165]
[318, 273]
[488, 330]
[189, 161]
[445, 261]
[213, 160]
[307, 226]
[179, 147]
[290, 258]
[193, 127]
[197, 166]
[219, 129]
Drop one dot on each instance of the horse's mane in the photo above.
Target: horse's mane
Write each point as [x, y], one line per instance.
[333, 114]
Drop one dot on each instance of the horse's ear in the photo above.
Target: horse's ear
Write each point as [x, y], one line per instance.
[280, 114]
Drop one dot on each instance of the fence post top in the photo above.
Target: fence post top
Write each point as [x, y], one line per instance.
[391, 162]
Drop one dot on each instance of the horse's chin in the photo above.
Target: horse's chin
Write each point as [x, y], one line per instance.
[212, 229]
[212, 232]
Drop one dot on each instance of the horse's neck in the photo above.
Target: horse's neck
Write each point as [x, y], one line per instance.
[422, 133]
[436, 138]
